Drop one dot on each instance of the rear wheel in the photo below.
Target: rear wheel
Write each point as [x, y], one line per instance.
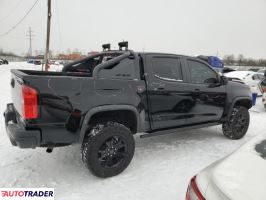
[237, 125]
[108, 149]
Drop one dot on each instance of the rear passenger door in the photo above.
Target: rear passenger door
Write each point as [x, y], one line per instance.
[168, 94]
[206, 91]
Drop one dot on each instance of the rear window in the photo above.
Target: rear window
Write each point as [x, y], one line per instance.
[87, 65]
[125, 69]
[167, 68]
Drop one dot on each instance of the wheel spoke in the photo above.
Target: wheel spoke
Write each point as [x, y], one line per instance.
[119, 145]
[120, 155]
[112, 152]
[109, 161]
[108, 143]
[102, 155]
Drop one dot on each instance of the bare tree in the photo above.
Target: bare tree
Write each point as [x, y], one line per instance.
[240, 59]
[229, 59]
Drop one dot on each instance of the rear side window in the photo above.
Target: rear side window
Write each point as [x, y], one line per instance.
[167, 68]
[200, 73]
[125, 69]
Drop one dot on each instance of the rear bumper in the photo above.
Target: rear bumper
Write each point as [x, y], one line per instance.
[17, 133]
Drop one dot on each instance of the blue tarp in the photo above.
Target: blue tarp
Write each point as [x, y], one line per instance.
[215, 62]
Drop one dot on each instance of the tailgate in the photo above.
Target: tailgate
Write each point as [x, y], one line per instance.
[16, 90]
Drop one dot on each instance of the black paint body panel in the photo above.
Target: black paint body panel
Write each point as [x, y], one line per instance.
[67, 101]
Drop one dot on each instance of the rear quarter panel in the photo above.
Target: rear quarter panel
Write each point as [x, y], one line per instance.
[60, 97]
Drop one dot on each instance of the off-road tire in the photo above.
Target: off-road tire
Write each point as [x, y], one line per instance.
[100, 136]
[237, 125]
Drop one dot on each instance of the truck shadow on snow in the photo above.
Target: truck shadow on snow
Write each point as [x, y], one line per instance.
[64, 165]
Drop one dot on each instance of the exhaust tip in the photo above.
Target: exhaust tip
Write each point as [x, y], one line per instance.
[49, 149]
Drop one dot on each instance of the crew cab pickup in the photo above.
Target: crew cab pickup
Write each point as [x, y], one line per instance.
[102, 100]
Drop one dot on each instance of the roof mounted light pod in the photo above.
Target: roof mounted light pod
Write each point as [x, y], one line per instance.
[106, 47]
[123, 44]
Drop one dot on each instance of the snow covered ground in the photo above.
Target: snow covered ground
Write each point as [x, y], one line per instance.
[161, 168]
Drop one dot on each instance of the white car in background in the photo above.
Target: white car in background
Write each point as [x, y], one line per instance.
[264, 99]
[239, 176]
[261, 71]
[252, 79]
[263, 88]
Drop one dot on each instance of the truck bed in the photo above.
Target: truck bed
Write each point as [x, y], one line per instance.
[21, 72]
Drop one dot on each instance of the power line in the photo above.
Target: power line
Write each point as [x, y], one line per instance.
[12, 11]
[30, 36]
[11, 29]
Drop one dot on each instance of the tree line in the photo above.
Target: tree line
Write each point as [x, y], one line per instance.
[5, 53]
[240, 60]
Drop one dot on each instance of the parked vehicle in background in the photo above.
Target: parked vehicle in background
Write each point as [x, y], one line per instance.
[216, 63]
[239, 176]
[264, 99]
[3, 62]
[254, 69]
[51, 62]
[263, 88]
[262, 71]
[37, 62]
[101, 101]
[30, 61]
[252, 79]
[228, 69]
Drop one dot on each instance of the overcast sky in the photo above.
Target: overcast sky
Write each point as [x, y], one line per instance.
[177, 26]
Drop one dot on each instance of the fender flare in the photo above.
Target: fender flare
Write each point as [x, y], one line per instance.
[234, 102]
[98, 109]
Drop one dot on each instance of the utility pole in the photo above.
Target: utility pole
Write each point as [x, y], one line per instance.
[30, 36]
[46, 56]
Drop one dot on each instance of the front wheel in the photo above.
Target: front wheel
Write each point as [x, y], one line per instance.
[108, 149]
[237, 125]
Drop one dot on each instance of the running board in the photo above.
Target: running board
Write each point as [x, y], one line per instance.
[182, 128]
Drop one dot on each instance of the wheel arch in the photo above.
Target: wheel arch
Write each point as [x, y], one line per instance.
[246, 102]
[240, 101]
[107, 109]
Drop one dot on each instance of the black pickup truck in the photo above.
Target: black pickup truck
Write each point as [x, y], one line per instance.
[103, 100]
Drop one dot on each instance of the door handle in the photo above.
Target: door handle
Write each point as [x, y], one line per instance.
[157, 85]
[158, 89]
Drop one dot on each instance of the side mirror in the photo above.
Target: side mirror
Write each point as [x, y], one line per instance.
[211, 81]
[224, 80]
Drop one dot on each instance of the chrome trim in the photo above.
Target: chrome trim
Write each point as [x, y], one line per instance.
[168, 79]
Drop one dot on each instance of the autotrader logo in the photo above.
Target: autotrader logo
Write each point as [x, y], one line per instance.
[27, 193]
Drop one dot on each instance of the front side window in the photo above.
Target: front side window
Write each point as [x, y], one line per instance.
[201, 73]
[167, 68]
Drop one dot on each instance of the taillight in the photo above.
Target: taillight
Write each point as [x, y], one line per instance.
[193, 192]
[30, 102]
[264, 89]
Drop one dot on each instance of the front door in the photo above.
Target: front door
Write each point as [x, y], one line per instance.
[206, 91]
